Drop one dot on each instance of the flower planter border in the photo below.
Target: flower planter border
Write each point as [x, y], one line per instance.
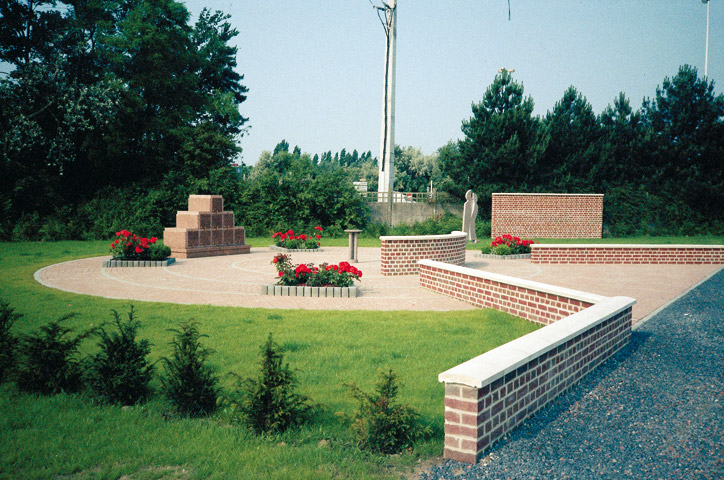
[138, 263]
[296, 291]
[520, 256]
[287, 250]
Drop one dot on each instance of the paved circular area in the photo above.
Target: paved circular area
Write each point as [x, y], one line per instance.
[236, 280]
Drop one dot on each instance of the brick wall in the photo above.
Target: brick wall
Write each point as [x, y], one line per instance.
[547, 215]
[530, 300]
[400, 255]
[489, 395]
[205, 230]
[628, 254]
[476, 416]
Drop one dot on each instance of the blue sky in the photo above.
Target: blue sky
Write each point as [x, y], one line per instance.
[315, 69]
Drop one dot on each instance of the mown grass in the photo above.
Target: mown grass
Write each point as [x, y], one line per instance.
[668, 240]
[69, 437]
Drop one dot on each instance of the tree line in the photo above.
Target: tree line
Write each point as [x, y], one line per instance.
[115, 111]
[661, 168]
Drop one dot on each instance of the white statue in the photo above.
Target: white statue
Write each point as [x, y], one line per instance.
[470, 212]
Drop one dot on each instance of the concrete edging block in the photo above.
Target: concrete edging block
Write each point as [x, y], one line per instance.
[310, 292]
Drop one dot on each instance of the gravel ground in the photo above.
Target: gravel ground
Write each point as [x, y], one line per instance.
[653, 411]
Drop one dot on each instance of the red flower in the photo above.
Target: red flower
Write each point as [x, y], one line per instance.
[318, 228]
[113, 245]
[281, 274]
[290, 232]
[275, 259]
[318, 236]
[276, 234]
[283, 237]
[139, 250]
[152, 240]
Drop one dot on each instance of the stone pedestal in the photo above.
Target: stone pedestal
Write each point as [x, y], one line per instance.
[353, 244]
[205, 230]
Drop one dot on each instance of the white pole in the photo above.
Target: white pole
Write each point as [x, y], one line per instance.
[706, 50]
[387, 134]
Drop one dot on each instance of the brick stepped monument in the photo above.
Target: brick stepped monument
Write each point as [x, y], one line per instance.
[205, 230]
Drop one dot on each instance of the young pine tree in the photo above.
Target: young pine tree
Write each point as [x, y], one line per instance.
[119, 372]
[8, 342]
[188, 382]
[381, 424]
[271, 403]
[47, 363]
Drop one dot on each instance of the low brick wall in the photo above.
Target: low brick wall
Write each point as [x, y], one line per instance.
[533, 301]
[628, 254]
[489, 395]
[400, 255]
[547, 215]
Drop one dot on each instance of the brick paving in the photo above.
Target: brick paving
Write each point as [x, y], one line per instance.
[236, 280]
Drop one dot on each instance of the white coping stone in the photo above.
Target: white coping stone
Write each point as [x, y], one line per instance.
[618, 245]
[300, 291]
[307, 291]
[490, 366]
[455, 234]
[338, 292]
[353, 292]
[518, 282]
[345, 293]
[265, 289]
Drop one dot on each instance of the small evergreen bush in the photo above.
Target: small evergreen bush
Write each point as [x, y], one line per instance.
[502, 250]
[380, 424]
[271, 404]
[119, 372]
[8, 342]
[188, 382]
[46, 362]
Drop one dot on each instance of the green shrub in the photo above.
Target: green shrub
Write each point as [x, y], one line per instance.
[46, 362]
[188, 382]
[158, 252]
[271, 403]
[486, 249]
[380, 424]
[119, 372]
[8, 342]
[502, 250]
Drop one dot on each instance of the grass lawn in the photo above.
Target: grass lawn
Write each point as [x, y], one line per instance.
[375, 242]
[69, 437]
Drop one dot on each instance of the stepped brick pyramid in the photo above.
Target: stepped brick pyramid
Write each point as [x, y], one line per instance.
[205, 230]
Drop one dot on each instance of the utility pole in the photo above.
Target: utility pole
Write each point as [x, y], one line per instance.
[706, 50]
[388, 16]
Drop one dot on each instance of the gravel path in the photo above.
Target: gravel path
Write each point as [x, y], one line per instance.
[653, 411]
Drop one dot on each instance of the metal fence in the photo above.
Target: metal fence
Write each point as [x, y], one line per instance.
[400, 197]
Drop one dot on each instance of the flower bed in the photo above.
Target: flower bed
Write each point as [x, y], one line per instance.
[130, 247]
[302, 242]
[507, 246]
[308, 275]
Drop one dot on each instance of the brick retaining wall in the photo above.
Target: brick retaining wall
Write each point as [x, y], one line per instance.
[628, 254]
[489, 395]
[547, 215]
[400, 255]
[533, 301]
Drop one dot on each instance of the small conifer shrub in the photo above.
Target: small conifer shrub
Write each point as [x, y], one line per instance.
[119, 372]
[271, 404]
[188, 382]
[380, 424]
[47, 363]
[8, 342]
